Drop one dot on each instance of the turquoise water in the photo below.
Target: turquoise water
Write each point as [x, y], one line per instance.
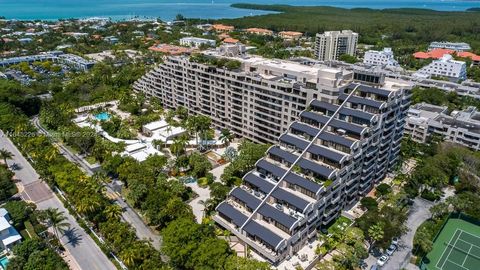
[102, 116]
[4, 262]
[168, 9]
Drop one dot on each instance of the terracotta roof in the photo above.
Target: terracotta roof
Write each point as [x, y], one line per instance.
[421, 55]
[435, 54]
[470, 55]
[223, 36]
[231, 40]
[170, 49]
[221, 27]
[259, 30]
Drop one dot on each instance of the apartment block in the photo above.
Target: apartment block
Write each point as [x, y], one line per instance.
[334, 154]
[332, 44]
[444, 67]
[456, 46]
[462, 127]
[380, 58]
[257, 101]
[197, 42]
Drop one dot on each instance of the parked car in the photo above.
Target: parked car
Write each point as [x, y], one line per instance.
[382, 260]
[391, 249]
[395, 241]
[374, 267]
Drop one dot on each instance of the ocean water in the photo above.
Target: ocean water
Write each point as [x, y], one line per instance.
[168, 9]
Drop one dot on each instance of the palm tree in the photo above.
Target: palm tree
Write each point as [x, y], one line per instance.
[129, 256]
[226, 136]
[5, 154]
[113, 211]
[57, 221]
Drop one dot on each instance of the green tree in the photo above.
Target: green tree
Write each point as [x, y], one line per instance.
[226, 136]
[56, 220]
[5, 154]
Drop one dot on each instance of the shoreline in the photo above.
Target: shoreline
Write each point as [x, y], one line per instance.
[266, 9]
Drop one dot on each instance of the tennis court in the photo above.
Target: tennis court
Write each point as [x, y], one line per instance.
[457, 247]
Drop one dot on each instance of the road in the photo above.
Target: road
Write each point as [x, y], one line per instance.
[80, 245]
[419, 212]
[129, 215]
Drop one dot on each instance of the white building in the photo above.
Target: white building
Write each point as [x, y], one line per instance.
[444, 67]
[196, 42]
[8, 234]
[456, 46]
[332, 44]
[461, 127]
[380, 58]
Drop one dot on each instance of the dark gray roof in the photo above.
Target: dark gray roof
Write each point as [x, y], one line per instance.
[272, 168]
[251, 201]
[345, 111]
[315, 167]
[277, 215]
[233, 214]
[262, 184]
[326, 136]
[305, 128]
[373, 90]
[290, 198]
[296, 179]
[334, 123]
[299, 143]
[363, 101]
[255, 229]
[289, 157]
[325, 152]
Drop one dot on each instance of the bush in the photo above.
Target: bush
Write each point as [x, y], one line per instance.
[431, 196]
[369, 203]
[383, 189]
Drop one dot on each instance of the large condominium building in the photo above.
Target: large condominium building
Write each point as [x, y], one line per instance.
[380, 58]
[444, 67]
[197, 42]
[258, 100]
[456, 46]
[462, 127]
[340, 147]
[332, 44]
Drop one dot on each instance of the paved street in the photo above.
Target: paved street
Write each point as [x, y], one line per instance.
[80, 245]
[419, 212]
[129, 215]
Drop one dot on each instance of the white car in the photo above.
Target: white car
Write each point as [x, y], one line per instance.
[395, 241]
[391, 249]
[382, 260]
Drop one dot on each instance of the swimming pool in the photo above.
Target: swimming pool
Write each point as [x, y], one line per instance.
[4, 262]
[102, 116]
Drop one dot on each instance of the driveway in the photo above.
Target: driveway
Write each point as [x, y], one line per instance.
[80, 245]
[419, 212]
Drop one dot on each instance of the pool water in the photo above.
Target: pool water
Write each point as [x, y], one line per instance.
[102, 116]
[4, 262]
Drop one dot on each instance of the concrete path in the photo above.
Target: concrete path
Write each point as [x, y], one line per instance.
[196, 204]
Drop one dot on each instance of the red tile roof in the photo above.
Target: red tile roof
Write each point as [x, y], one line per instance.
[435, 54]
[231, 40]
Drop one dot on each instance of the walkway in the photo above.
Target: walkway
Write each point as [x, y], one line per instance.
[197, 204]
